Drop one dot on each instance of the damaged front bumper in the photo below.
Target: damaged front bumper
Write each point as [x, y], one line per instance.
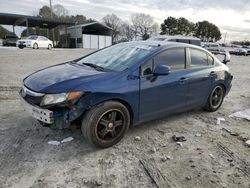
[56, 117]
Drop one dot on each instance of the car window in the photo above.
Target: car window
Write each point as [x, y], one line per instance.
[147, 68]
[174, 58]
[198, 58]
[43, 38]
[32, 37]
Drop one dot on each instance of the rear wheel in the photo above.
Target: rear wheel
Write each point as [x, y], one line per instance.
[215, 98]
[21, 47]
[105, 124]
[35, 46]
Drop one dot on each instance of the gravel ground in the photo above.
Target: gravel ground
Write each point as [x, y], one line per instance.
[146, 157]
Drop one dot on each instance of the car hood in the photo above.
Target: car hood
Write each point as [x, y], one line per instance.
[63, 78]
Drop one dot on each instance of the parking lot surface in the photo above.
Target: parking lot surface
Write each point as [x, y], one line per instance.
[214, 155]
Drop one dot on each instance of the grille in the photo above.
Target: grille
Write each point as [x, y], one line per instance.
[33, 99]
[31, 96]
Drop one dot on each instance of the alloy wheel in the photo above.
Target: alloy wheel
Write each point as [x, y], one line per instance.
[217, 97]
[110, 125]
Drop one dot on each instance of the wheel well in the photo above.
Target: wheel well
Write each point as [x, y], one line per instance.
[127, 105]
[224, 87]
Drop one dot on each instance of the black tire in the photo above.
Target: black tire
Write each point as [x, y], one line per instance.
[215, 98]
[104, 125]
[21, 47]
[49, 46]
[35, 46]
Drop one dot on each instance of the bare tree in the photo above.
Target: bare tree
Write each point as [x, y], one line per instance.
[126, 31]
[113, 22]
[60, 11]
[143, 25]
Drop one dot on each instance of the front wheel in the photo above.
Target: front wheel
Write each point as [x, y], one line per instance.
[215, 98]
[35, 46]
[49, 46]
[105, 124]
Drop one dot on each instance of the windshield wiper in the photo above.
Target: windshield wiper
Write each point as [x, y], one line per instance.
[97, 67]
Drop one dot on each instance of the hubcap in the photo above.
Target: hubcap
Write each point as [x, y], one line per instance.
[110, 125]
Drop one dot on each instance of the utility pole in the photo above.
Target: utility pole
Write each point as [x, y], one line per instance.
[225, 37]
[76, 34]
[51, 16]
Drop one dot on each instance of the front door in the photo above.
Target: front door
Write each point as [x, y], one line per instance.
[163, 94]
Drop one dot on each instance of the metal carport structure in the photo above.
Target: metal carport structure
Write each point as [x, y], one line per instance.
[31, 21]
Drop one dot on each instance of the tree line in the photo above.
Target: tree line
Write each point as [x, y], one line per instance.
[139, 26]
[143, 26]
[206, 31]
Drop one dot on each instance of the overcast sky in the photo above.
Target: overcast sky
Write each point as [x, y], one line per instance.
[232, 16]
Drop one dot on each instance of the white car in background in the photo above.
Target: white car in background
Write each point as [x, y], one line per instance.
[35, 41]
[212, 46]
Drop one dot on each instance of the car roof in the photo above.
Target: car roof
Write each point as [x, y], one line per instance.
[174, 37]
[163, 44]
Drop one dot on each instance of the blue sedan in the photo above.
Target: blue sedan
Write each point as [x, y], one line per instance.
[125, 84]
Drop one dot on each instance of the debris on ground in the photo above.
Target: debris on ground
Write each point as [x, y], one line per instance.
[211, 155]
[244, 114]
[153, 150]
[56, 143]
[248, 143]
[179, 143]
[137, 138]
[165, 158]
[198, 135]
[179, 138]
[219, 120]
[230, 132]
[67, 139]
[188, 178]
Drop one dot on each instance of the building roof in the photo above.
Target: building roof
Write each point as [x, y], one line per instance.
[33, 21]
[93, 25]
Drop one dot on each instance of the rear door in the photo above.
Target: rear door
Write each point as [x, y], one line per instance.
[163, 94]
[201, 75]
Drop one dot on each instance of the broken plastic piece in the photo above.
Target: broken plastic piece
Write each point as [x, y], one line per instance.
[54, 142]
[219, 120]
[179, 138]
[67, 139]
[248, 143]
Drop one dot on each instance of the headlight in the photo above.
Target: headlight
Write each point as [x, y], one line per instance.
[59, 98]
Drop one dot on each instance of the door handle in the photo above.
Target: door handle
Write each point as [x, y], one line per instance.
[213, 73]
[182, 80]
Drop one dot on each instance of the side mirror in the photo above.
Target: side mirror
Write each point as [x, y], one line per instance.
[226, 58]
[161, 70]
